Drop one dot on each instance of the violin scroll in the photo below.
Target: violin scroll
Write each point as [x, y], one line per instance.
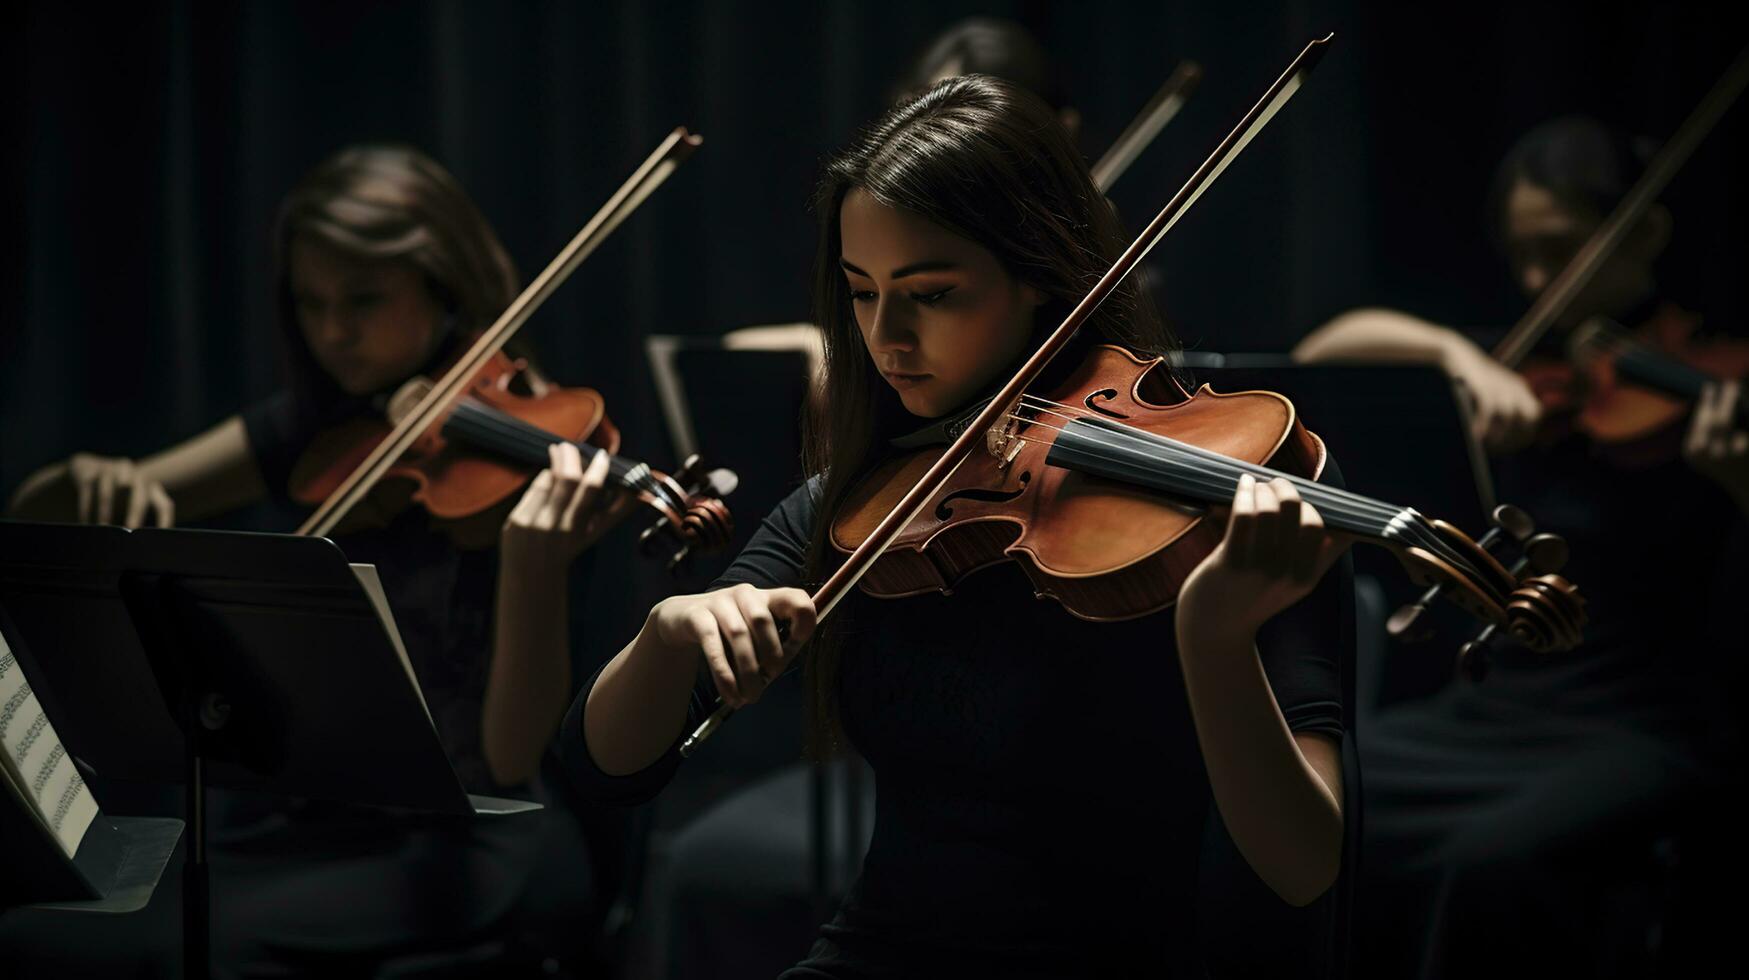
[703, 523]
[1539, 608]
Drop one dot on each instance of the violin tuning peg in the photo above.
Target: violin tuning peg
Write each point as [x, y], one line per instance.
[678, 559]
[688, 473]
[1546, 553]
[720, 482]
[1406, 623]
[1473, 656]
[647, 537]
[1514, 521]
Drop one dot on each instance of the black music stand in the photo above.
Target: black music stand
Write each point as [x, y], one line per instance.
[245, 661]
[115, 869]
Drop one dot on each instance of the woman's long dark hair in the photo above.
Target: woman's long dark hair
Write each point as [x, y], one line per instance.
[991, 163]
[383, 202]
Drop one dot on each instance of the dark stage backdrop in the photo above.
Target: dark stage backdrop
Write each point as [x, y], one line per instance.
[147, 145]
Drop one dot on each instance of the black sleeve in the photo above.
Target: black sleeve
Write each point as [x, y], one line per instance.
[774, 558]
[1309, 647]
[279, 427]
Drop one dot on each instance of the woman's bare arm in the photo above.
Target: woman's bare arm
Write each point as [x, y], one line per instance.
[209, 474]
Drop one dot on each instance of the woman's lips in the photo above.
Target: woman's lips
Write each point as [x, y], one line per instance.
[905, 381]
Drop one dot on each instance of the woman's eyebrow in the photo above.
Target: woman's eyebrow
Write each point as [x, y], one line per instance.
[927, 265]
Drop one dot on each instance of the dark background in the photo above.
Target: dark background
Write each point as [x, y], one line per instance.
[148, 144]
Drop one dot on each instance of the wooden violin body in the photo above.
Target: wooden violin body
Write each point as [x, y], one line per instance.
[1105, 549]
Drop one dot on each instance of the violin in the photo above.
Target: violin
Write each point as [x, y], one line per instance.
[461, 446]
[1100, 487]
[1631, 392]
[466, 471]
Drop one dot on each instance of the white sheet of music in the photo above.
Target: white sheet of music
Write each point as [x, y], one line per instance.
[37, 768]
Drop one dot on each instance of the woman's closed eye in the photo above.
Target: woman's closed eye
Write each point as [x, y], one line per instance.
[922, 299]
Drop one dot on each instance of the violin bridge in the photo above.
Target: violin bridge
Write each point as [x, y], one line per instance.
[1002, 444]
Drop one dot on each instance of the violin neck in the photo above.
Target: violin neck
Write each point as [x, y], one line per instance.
[1661, 372]
[484, 427]
[1102, 447]
[1645, 366]
[1115, 451]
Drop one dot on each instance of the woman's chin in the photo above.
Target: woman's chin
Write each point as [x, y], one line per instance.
[920, 404]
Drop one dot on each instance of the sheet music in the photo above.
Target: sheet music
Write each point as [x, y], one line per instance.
[37, 768]
[373, 587]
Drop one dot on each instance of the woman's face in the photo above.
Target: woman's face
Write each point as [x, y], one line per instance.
[369, 324]
[939, 314]
[1543, 234]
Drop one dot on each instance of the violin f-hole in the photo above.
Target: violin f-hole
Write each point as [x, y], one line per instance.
[944, 512]
[1104, 395]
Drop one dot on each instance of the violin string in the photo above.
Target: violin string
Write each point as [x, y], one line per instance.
[1358, 499]
[533, 441]
[530, 440]
[1217, 490]
[1415, 527]
[1384, 510]
[1353, 504]
[1328, 500]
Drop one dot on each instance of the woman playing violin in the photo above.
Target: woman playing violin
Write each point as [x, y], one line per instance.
[384, 269]
[1500, 814]
[1055, 797]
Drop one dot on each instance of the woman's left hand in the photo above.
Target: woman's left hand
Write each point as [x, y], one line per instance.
[565, 509]
[1274, 553]
[1716, 446]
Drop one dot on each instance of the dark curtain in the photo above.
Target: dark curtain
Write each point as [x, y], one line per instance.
[149, 143]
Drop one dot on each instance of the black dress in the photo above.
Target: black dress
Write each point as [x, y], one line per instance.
[1511, 823]
[1042, 808]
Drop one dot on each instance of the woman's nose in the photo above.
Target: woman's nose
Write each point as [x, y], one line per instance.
[890, 331]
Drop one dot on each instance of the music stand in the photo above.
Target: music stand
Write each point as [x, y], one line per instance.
[114, 871]
[246, 661]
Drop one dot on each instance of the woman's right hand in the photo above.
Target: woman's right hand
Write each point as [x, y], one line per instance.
[737, 631]
[101, 490]
[1504, 412]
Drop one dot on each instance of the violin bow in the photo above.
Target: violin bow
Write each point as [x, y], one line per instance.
[1141, 131]
[644, 181]
[972, 436]
[1582, 268]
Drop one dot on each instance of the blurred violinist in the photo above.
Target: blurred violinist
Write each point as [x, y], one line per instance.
[1511, 823]
[384, 270]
